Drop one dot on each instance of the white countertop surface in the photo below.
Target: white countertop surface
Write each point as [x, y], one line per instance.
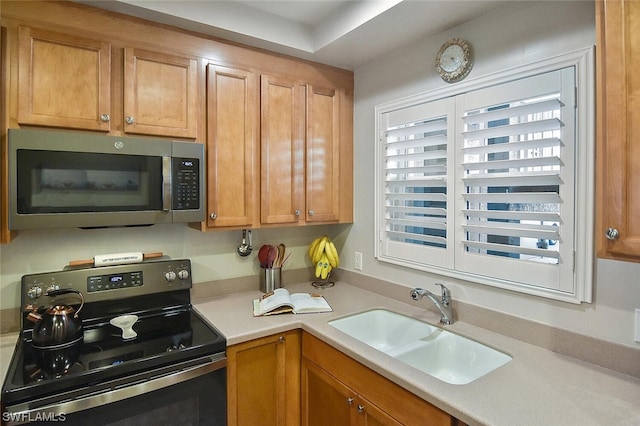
[538, 387]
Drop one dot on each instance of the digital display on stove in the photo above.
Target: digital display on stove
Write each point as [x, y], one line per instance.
[114, 281]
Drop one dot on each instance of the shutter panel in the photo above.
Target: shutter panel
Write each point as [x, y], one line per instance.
[511, 166]
[516, 184]
[414, 180]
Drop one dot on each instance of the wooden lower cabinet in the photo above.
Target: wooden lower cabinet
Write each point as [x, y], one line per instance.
[263, 381]
[337, 390]
[293, 378]
[326, 401]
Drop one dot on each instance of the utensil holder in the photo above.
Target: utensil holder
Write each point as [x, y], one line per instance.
[270, 279]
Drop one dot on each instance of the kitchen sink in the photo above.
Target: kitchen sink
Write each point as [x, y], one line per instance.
[440, 353]
[383, 330]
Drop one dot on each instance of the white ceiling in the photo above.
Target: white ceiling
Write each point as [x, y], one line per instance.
[343, 33]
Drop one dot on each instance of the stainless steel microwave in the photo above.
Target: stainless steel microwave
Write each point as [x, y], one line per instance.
[59, 179]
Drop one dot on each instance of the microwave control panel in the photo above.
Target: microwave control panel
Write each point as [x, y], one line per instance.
[186, 184]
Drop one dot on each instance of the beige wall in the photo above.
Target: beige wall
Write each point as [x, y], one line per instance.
[521, 33]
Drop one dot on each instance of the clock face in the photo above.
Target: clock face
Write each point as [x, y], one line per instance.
[453, 61]
[452, 58]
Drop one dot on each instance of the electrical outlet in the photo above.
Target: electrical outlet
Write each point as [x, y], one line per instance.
[637, 338]
[358, 261]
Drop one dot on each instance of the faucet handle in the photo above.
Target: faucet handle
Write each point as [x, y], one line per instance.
[446, 294]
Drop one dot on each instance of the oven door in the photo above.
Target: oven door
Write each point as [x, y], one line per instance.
[186, 394]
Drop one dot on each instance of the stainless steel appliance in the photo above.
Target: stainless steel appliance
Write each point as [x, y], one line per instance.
[60, 179]
[161, 363]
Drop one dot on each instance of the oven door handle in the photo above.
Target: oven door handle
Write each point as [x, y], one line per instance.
[119, 392]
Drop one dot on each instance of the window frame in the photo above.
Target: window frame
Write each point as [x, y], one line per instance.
[583, 254]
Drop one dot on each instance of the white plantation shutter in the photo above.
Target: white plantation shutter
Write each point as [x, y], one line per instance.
[482, 185]
[415, 181]
[517, 186]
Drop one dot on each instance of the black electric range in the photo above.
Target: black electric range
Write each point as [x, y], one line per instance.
[171, 338]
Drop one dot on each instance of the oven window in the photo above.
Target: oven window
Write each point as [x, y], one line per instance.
[73, 182]
[199, 401]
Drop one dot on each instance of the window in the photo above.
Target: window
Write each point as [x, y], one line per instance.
[482, 185]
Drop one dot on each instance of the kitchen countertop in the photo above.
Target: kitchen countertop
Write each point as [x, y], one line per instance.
[537, 387]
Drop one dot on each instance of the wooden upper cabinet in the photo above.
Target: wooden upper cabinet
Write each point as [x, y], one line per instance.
[63, 80]
[301, 146]
[618, 133]
[323, 155]
[231, 143]
[282, 150]
[160, 94]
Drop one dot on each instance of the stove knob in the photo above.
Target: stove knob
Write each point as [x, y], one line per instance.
[34, 292]
[53, 287]
[170, 276]
[183, 274]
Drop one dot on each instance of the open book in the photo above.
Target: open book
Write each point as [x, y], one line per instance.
[280, 301]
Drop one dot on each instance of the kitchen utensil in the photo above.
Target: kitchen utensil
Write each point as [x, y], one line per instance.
[125, 323]
[280, 258]
[245, 249]
[263, 254]
[57, 334]
[267, 256]
[272, 254]
[116, 259]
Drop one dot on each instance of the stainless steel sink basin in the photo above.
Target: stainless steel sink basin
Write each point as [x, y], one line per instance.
[440, 353]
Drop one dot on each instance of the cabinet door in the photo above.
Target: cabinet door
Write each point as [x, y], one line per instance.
[263, 381]
[370, 415]
[323, 155]
[231, 143]
[282, 150]
[325, 400]
[619, 129]
[63, 80]
[379, 400]
[160, 94]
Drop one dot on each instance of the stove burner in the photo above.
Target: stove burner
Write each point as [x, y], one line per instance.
[39, 375]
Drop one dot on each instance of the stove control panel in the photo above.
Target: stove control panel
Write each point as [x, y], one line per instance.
[114, 281]
[109, 282]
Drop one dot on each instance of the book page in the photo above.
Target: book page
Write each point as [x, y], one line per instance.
[279, 297]
[305, 302]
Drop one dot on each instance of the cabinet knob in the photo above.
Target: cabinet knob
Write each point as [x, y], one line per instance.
[612, 234]
[213, 216]
[360, 409]
[105, 117]
[297, 212]
[349, 401]
[310, 212]
[130, 120]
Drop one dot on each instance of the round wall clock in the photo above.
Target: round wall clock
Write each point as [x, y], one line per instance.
[454, 61]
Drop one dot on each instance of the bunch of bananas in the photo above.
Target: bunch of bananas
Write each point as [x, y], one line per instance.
[323, 254]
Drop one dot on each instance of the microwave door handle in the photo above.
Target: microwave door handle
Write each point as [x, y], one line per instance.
[166, 183]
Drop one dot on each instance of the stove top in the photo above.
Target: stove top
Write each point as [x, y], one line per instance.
[168, 330]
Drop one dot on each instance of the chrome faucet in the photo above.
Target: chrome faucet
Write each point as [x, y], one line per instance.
[443, 306]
